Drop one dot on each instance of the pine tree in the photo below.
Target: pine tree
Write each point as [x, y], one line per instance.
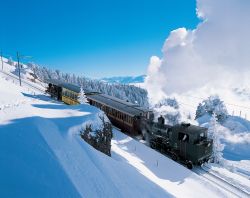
[82, 99]
[212, 105]
[10, 62]
[213, 132]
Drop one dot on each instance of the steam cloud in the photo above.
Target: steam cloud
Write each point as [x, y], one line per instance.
[217, 51]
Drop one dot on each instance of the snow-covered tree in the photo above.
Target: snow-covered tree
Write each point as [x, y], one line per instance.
[121, 91]
[99, 136]
[10, 61]
[214, 133]
[172, 102]
[212, 105]
[82, 97]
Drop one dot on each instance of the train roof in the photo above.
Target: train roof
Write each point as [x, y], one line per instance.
[68, 86]
[113, 102]
[190, 129]
[120, 105]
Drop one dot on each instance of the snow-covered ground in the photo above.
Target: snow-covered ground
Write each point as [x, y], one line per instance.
[236, 129]
[43, 155]
[176, 179]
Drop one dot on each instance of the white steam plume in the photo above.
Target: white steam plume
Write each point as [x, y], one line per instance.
[217, 51]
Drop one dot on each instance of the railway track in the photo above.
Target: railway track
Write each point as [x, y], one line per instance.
[221, 183]
[23, 82]
[210, 176]
[232, 189]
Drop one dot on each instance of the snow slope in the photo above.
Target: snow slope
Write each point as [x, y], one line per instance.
[42, 155]
[161, 170]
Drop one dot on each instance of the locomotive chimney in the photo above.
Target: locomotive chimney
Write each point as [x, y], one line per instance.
[161, 120]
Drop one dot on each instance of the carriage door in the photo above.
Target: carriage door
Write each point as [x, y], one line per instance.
[59, 93]
[183, 141]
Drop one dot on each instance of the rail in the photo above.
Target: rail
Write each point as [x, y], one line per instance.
[23, 81]
[220, 182]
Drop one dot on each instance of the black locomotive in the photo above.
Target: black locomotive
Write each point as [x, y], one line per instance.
[184, 142]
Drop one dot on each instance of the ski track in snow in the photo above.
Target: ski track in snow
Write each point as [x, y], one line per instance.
[11, 105]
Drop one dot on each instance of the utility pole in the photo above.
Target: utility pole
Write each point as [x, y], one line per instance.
[18, 65]
[2, 59]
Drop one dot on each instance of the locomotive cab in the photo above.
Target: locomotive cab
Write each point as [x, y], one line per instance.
[191, 143]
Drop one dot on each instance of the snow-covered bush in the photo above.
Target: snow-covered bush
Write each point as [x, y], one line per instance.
[99, 138]
[214, 133]
[82, 99]
[172, 102]
[10, 61]
[212, 105]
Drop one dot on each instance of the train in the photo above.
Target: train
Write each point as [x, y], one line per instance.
[184, 142]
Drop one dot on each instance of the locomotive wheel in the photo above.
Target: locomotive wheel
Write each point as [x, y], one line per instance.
[189, 165]
[152, 145]
[174, 156]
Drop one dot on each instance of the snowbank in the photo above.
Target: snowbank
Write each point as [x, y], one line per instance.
[43, 155]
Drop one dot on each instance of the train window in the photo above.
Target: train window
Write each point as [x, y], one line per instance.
[183, 137]
[130, 120]
[202, 136]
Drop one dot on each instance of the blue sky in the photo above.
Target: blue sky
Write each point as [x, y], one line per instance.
[92, 38]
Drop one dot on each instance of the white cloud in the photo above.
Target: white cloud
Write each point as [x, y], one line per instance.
[217, 51]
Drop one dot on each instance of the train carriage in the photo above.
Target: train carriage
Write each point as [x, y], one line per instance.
[125, 115]
[122, 114]
[186, 143]
[66, 92]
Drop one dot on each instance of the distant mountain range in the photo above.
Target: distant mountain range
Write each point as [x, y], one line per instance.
[125, 79]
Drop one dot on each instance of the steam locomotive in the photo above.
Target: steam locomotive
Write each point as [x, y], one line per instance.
[186, 143]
